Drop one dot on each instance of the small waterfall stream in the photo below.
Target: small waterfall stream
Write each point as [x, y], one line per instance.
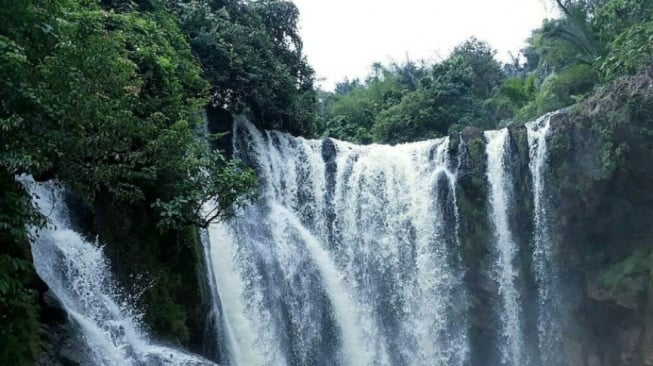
[544, 266]
[505, 273]
[79, 275]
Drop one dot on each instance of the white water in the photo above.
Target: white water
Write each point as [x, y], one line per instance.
[355, 263]
[351, 257]
[544, 266]
[343, 305]
[505, 273]
[221, 324]
[79, 275]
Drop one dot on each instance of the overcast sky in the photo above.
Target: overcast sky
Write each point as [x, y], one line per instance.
[342, 38]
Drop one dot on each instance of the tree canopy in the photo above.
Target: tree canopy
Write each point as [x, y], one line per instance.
[411, 101]
[591, 44]
[251, 54]
[107, 97]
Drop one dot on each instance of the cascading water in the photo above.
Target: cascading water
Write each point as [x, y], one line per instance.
[350, 257]
[221, 330]
[548, 325]
[78, 274]
[505, 273]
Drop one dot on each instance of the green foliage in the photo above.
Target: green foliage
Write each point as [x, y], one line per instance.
[615, 16]
[208, 177]
[626, 281]
[106, 97]
[408, 102]
[19, 334]
[252, 56]
[485, 71]
[19, 310]
[111, 104]
[112, 94]
[630, 52]
[576, 31]
[563, 88]
[350, 113]
[409, 120]
[593, 42]
[511, 97]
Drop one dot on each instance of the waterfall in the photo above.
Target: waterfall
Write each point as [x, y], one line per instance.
[79, 275]
[350, 257]
[353, 255]
[505, 273]
[221, 328]
[548, 325]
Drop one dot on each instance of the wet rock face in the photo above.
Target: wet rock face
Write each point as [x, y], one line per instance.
[604, 214]
[476, 241]
[62, 347]
[328, 150]
[53, 310]
[220, 122]
[646, 346]
[329, 156]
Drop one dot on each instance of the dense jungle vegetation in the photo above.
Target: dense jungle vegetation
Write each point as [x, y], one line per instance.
[565, 60]
[107, 97]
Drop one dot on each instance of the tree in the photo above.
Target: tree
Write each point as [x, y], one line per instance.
[351, 111]
[486, 73]
[251, 55]
[450, 97]
[92, 97]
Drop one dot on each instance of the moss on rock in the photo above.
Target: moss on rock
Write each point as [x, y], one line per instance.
[163, 268]
[625, 282]
[20, 289]
[601, 173]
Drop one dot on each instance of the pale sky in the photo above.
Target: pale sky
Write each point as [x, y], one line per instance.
[342, 38]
